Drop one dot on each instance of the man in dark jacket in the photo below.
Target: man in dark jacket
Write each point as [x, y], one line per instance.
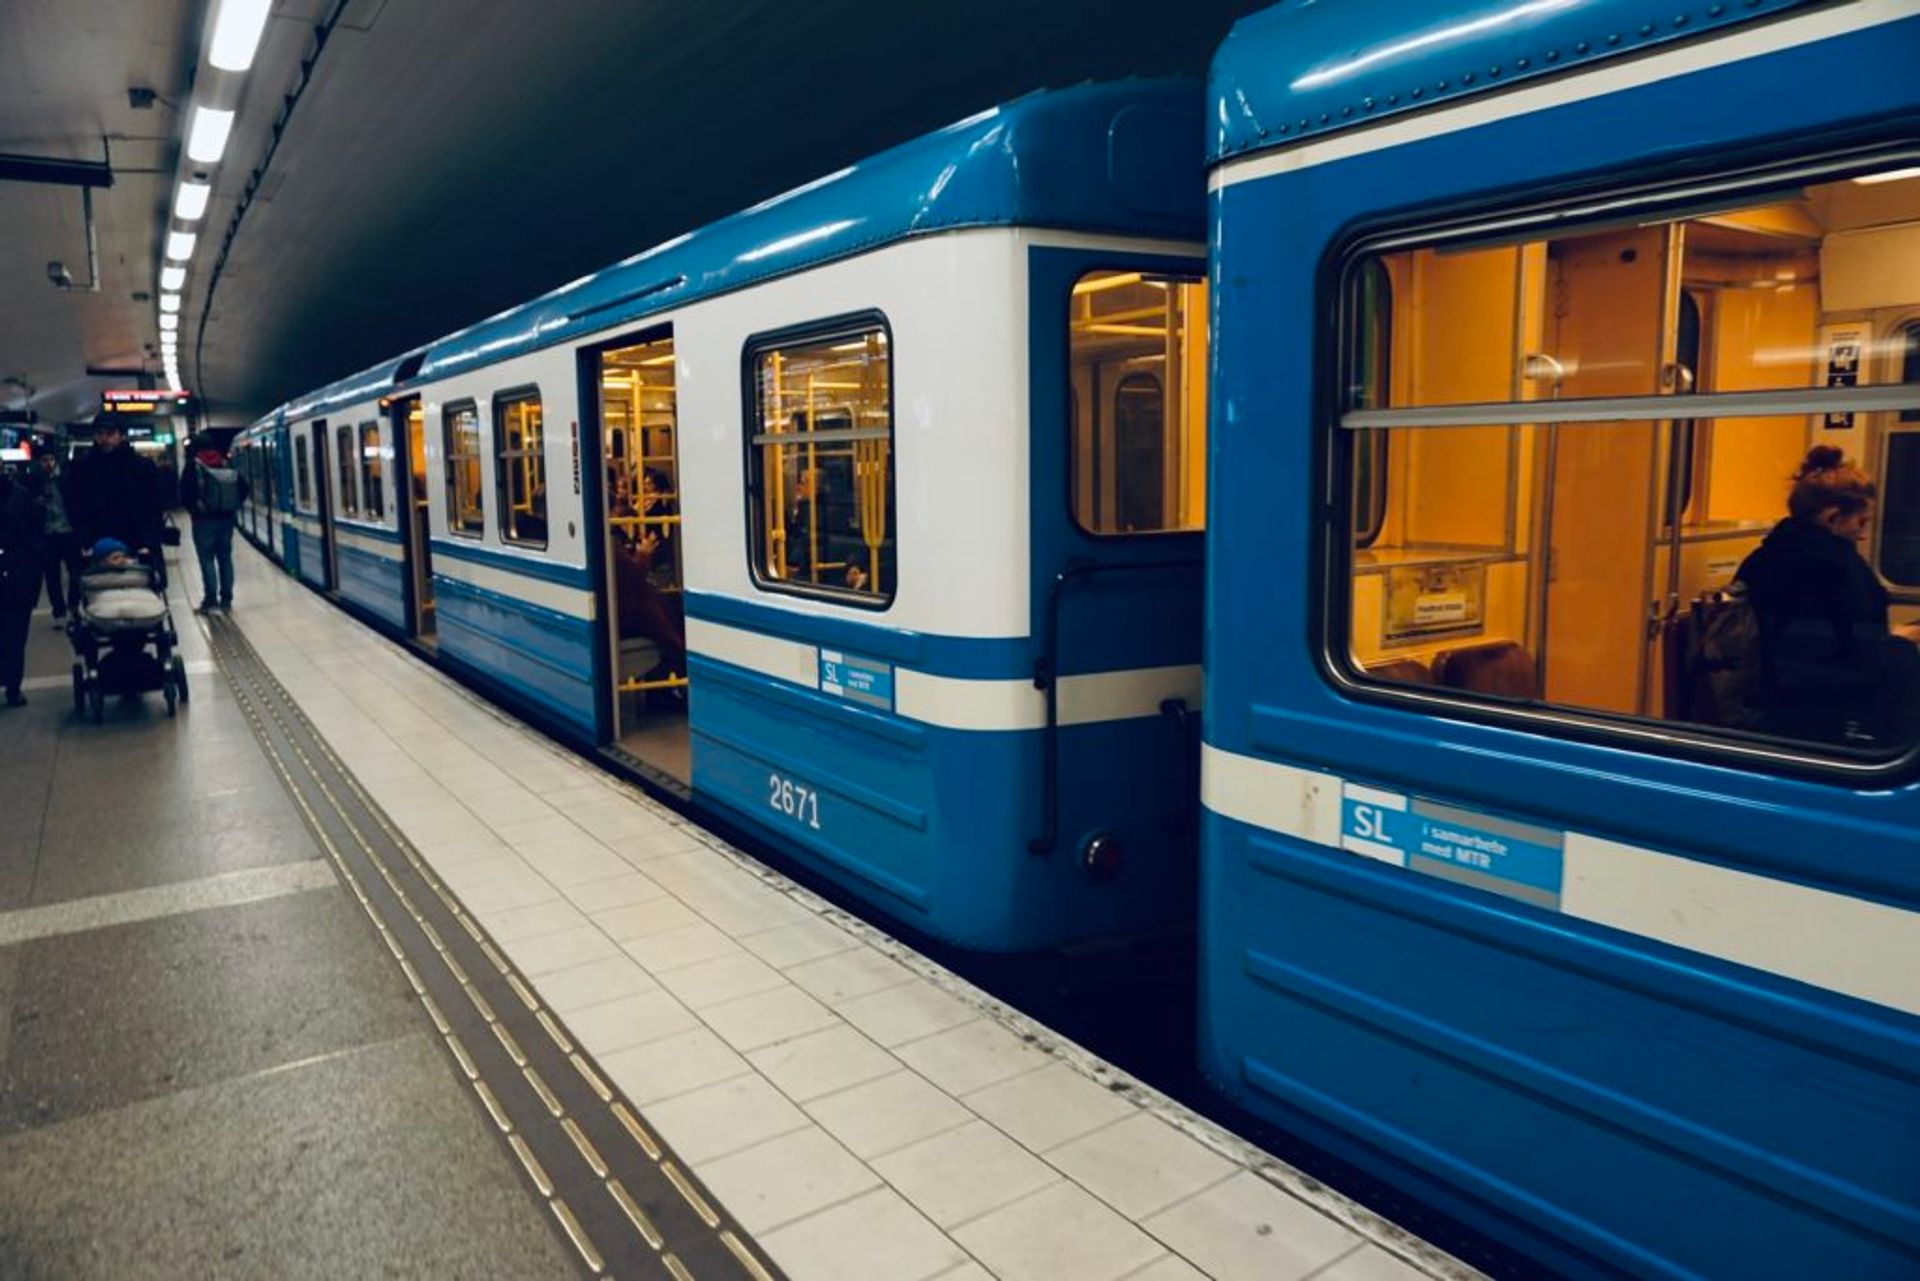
[212, 491]
[22, 545]
[112, 492]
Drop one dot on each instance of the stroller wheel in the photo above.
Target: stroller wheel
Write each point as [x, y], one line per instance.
[172, 696]
[179, 673]
[79, 689]
[97, 703]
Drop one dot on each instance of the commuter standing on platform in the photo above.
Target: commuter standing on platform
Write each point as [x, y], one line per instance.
[112, 492]
[22, 546]
[212, 491]
[50, 487]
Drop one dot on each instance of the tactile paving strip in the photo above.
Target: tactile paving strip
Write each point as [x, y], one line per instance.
[626, 1204]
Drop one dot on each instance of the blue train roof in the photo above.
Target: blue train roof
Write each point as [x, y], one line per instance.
[1123, 158]
[1309, 68]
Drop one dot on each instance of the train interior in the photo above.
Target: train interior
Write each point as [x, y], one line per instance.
[644, 587]
[410, 444]
[1138, 402]
[1535, 560]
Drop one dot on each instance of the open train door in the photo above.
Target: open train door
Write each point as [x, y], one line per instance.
[416, 525]
[633, 424]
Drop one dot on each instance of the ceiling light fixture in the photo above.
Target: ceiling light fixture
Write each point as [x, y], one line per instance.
[180, 245]
[236, 33]
[169, 302]
[207, 139]
[192, 201]
[169, 322]
[1892, 175]
[173, 278]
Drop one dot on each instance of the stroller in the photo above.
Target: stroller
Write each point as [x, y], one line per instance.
[123, 638]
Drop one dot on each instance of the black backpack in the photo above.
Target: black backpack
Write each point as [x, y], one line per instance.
[1724, 660]
[219, 490]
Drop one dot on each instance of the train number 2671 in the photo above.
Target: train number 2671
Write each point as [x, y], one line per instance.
[795, 801]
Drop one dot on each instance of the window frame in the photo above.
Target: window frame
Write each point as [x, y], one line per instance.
[371, 485]
[1591, 205]
[843, 325]
[1093, 267]
[502, 492]
[447, 411]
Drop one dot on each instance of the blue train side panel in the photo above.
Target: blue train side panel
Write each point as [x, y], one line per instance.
[542, 658]
[1608, 1103]
[372, 581]
[933, 823]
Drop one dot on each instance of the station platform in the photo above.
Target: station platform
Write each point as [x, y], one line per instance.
[344, 971]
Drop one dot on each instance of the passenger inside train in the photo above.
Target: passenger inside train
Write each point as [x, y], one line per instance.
[1566, 553]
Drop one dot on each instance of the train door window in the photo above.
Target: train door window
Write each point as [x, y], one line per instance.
[1899, 532]
[373, 498]
[1137, 402]
[460, 435]
[1371, 342]
[302, 481]
[520, 468]
[820, 462]
[346, 460]
[1594, 430]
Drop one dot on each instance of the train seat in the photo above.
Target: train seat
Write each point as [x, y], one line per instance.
[1402, 671]
[1502, 668]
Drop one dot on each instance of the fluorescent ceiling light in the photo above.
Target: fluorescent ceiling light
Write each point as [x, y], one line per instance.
[192, 201]
[207, 140]
[169, 322]
[180, 245]
[236, 33]
[169, 302]
[1893, 175]
[172, 278]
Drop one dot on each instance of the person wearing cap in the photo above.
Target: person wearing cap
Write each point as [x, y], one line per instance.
[112, 492]
[213, 492]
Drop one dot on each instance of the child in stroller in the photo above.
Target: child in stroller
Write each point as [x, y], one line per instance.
[122, 633]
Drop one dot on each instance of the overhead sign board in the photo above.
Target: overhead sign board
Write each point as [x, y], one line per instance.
[144, 403]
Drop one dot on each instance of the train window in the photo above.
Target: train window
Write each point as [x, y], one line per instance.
[302, 481]
[1137, 398]
[820, 461]
[460, 433]
[1557, 532]
[373, 496]
[520, 468]
[346, 455]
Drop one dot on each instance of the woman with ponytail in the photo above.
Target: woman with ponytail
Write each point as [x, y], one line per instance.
[1832, 669]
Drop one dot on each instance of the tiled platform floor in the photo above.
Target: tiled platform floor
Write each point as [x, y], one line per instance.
[865, 1113]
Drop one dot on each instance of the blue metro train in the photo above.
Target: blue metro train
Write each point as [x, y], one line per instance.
[1495, 903]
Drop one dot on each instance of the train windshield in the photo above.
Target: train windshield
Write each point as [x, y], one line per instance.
[1664, 469]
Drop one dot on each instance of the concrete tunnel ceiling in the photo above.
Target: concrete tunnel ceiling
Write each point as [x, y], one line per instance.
[448, 160]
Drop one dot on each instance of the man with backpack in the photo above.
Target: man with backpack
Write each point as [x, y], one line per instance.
[212, 491]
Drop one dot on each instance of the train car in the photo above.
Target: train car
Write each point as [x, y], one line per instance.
[1526, 314]
[916, 452]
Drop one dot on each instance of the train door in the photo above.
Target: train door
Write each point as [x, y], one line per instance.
[643, 584]
[1118, 570]
[416, 525]
[1613, 296]
[322, 504]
